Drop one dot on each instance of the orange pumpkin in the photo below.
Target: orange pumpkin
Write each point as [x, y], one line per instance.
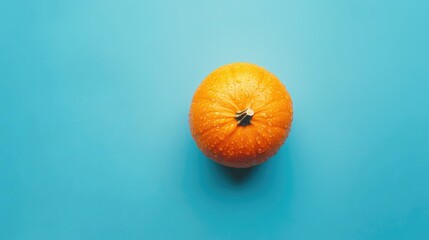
[240, 115]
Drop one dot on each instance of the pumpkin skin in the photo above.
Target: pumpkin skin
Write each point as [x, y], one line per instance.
[240, 115]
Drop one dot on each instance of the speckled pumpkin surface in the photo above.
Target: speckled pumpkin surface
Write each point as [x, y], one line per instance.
[240, 115]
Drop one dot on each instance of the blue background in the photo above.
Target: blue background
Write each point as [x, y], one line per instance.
[94, 138]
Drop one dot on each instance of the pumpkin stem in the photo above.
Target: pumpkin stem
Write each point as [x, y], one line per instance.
[244, 117]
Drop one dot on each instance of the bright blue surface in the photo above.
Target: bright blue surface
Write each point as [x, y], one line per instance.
[94, 138]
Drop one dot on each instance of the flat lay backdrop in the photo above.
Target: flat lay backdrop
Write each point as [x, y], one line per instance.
[94, 135]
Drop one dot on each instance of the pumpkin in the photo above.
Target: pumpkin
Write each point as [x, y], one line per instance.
[240, 115]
